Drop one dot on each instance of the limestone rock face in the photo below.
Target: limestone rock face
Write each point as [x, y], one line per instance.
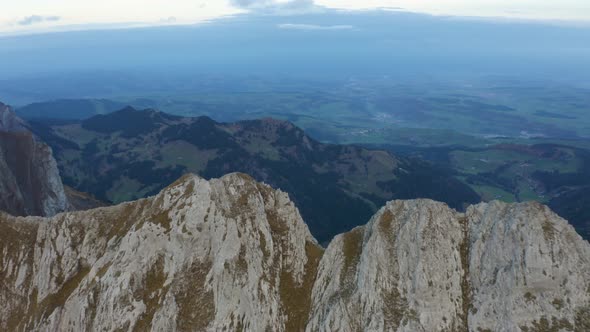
[420, 266]
[233, 254]
[403, 271]
[528, 270]
[29, 179]
[9, 121]
[229, 254]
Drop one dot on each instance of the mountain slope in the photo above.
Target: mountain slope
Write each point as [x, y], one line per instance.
[234, 254]
[554, 174]
[68, 109]
[29, 178]
[420, 266]
[131, 154]
[225, 254]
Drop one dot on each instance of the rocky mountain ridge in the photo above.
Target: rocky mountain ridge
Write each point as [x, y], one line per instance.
[9, 121]
[30, 183]
[234, 254]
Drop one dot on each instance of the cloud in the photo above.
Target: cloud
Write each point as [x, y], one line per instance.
[168, 20]
[248, 3]
[34, 19]
[314, 27]
[272, 3]
[391, 9]
[278, 7]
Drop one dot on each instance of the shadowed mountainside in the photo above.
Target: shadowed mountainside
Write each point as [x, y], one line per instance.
[131, 154]
[30, 182]
[29, 179]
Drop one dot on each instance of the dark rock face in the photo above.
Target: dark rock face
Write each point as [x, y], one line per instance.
[29, 179]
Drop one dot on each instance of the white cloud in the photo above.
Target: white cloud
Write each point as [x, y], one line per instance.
[15, 16]
[91, 14]
[278, 7]
[169, 20]
[523, 9]
[34, 19]
[314, 27]
[272, 3]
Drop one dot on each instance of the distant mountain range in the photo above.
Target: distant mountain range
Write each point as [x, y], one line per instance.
[68, 109]
[554, 172]
[130, 154]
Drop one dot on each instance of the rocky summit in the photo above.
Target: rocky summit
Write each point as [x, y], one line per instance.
[233, 254]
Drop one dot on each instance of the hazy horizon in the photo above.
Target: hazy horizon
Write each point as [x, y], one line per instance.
[37, 16]
[346, 43]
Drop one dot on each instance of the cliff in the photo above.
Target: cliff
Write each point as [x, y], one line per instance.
[234, 254]
[29, 179]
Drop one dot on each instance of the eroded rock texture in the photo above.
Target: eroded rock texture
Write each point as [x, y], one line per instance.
[226, 254]
[420, 266]
[233, 254]
[29, 179]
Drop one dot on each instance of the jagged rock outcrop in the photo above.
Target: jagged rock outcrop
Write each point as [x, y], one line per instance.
[229, 254]
[420, 266]
[80, 201]
[9, 121]
[29, 179]
[235, 254]
[528, 269]
[404, 271]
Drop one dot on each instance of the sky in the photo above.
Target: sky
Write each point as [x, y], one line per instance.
[25, 16]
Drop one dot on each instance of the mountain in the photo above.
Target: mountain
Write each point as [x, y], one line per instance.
[574, 205]
[68, 109]
[29, 179]
[9, 122]
[234, 254]
[132, 154]
[30, 183]
[554, 174]
[420, 266]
